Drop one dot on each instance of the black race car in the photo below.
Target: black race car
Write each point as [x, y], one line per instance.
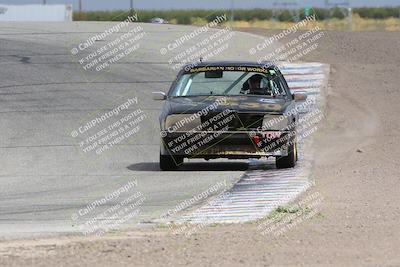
[235, 110]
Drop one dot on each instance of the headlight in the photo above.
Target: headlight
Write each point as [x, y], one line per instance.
[275, 122]
[182, 122]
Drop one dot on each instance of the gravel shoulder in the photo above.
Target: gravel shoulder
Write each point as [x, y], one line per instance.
[356, 172]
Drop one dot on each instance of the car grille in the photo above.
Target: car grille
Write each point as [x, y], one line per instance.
[240, 121]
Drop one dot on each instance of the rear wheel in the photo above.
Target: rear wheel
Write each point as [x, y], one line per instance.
[168, 162]
[288, 161]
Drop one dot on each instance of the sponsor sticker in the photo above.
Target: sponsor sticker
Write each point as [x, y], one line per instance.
[228, 68]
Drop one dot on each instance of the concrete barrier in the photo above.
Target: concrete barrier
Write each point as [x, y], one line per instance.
[36, 12]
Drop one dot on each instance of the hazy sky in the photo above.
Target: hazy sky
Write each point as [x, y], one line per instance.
[173, 4]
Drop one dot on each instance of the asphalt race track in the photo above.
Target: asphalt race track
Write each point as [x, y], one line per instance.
[45, 95]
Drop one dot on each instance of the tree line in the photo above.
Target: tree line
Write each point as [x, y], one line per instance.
[192, 15]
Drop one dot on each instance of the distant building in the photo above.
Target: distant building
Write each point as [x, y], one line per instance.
[36, 13]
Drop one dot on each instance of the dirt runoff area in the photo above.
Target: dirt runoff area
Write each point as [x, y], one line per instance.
[351, 216]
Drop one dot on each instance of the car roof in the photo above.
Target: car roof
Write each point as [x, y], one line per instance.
[231, 63]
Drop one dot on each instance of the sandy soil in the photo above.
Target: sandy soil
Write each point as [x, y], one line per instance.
[356, 173]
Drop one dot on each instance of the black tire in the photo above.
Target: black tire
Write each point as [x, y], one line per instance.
[288, 161]
[168, 163]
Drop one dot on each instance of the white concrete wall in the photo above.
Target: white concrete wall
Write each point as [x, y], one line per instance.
[35, 13]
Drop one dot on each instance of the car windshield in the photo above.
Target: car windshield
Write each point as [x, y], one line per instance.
[232, 83]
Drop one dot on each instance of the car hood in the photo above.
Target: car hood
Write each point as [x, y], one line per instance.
[252, 104]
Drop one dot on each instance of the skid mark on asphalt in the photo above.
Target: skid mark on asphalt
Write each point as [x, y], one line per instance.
[263, 188]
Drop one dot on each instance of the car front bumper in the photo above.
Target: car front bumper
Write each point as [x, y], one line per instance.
[226, 144]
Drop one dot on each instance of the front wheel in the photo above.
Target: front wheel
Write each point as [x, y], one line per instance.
[288, 161]
[168, 163]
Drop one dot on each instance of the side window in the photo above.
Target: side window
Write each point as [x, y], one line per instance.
[276, 86]
[286, 86]
[281, 86]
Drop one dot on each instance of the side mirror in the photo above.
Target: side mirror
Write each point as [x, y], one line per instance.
[299, 97]
[159, 96]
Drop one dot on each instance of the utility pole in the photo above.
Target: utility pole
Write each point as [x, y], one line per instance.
[343, 5]
[131, 8]
[350, 13]
[232, 10]
[291, 5]
[80, 9]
